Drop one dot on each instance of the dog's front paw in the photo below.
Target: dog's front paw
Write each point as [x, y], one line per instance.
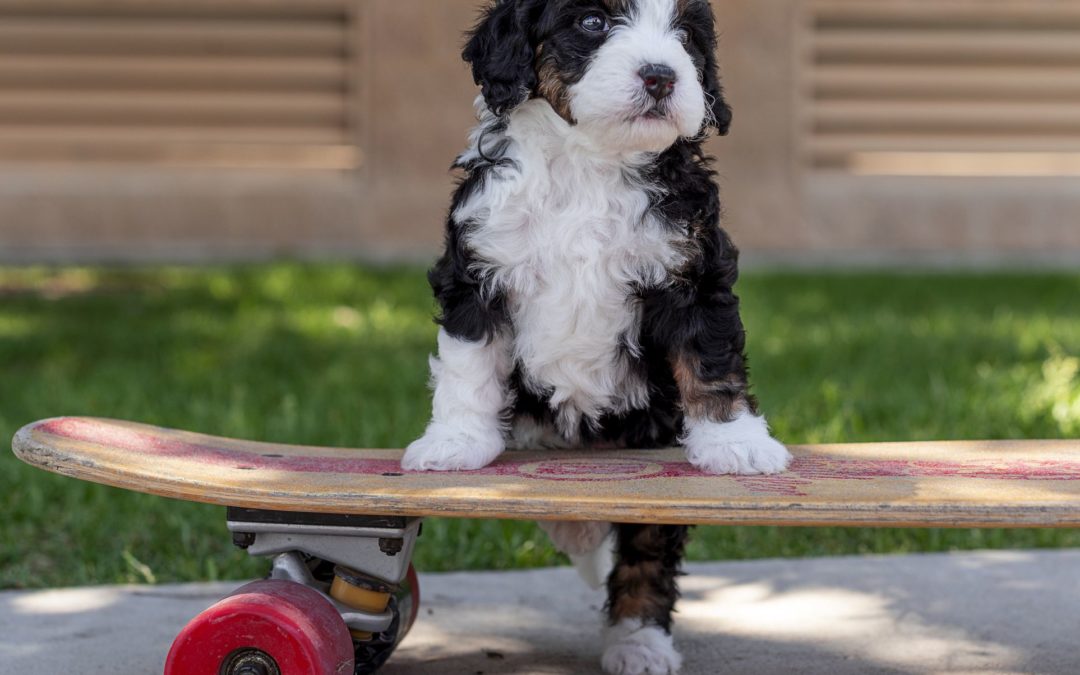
[445, 448]
[742, 446]
[633, 649]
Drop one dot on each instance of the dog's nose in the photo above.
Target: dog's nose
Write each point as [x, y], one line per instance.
[659, 80]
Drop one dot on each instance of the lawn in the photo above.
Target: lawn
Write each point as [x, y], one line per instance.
[335, 355]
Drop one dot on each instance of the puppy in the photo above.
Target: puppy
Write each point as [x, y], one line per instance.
[586, 287]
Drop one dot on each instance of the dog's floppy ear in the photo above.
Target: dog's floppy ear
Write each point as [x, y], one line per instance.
[502, 54]
[705, 39]
[720, 115]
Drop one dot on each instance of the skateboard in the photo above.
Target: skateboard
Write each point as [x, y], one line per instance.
[340, 525]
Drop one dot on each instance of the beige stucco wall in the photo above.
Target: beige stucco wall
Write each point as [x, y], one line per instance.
[414, 99]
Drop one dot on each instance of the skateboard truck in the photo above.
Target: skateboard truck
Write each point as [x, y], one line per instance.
[375, 546]
[353, 568]
[371, 558]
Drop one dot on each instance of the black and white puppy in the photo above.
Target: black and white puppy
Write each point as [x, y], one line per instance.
[586, 286]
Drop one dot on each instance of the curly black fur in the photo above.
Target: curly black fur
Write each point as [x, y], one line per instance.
[698, 22]
[502, 50]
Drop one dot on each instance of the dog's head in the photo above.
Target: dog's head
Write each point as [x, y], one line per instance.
[636, 74]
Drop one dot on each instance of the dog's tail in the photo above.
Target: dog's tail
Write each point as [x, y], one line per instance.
[590, 545]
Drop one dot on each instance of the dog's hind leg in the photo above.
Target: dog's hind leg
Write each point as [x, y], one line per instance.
[642, 592]
[590, 546]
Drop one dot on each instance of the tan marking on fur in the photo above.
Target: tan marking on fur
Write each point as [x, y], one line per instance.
[552, 87]
[718, 401]
[637, 598]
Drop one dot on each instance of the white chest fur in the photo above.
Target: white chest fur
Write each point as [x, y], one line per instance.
[567, 235]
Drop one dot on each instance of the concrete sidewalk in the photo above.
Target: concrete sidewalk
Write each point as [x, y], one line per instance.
[969, 613]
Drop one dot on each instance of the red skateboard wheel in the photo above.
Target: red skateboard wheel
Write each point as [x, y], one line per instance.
[267, 627]
[414, 598]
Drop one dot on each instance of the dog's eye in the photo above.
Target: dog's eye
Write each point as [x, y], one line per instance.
[596, 23]
[684, 36]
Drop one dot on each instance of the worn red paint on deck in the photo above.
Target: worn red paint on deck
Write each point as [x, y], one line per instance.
[804, 471]
[926, 484]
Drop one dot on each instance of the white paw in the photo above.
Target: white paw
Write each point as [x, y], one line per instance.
[445, 448]
[742, 446]
[634, 649]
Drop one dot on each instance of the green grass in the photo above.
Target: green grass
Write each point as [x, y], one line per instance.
[335, 355]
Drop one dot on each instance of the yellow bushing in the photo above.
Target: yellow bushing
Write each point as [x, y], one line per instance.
[363, 599]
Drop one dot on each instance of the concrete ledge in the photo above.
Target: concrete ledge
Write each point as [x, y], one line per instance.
[986, 613]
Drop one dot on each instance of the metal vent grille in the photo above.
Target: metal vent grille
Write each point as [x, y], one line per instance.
[944, 87]
[244, 83]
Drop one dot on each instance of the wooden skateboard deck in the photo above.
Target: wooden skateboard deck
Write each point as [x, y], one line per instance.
[946, 484]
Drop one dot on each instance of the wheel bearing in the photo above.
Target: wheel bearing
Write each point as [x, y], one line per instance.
[250, 662]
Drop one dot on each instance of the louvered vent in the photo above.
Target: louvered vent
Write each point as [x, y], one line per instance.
[232, 83]
[944, 87]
